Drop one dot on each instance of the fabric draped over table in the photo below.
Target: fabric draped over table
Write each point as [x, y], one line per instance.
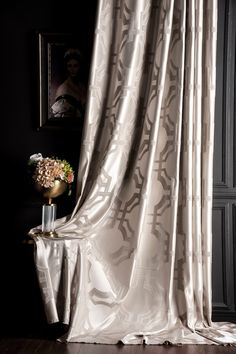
[133, 261]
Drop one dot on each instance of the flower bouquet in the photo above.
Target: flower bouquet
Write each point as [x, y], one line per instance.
[51, 176]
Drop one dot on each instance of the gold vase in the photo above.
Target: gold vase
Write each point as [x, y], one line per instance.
[52, 192]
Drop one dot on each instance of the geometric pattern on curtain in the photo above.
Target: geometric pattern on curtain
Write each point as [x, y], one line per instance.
[133, 263]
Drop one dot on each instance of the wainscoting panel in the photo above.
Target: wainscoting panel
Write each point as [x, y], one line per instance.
[224, 190]
[223, 259]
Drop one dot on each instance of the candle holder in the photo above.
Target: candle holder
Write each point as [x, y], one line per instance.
[49, 209]
[49, 215]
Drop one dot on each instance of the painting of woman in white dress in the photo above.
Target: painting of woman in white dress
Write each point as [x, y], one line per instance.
[70, 95]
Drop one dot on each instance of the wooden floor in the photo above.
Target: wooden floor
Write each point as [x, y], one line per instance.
[16, 345]
[42, 340]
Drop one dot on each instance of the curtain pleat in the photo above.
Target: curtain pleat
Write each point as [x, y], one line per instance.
[139, 257]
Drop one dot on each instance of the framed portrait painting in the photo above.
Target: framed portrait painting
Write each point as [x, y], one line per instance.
[62, 81]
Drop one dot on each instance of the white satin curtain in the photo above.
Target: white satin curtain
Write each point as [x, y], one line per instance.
[133, 263]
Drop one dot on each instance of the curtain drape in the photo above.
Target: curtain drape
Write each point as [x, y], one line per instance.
[135, 255]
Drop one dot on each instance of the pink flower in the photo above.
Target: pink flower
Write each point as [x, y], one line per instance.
[47, 170]
[70, 177]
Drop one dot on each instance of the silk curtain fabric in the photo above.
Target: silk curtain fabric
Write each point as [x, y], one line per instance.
[133, 263]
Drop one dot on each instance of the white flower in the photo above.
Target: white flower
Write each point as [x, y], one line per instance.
[35, 158]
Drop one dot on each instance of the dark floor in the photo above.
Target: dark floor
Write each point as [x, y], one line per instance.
[42, 340]
[48, 346]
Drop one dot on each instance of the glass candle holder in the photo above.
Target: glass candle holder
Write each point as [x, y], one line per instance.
[48, 219]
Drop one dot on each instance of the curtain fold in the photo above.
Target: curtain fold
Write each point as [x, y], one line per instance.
[142, 223]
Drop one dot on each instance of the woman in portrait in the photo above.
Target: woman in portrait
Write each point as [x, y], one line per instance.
[70, 96]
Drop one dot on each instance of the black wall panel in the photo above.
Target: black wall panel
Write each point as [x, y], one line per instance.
[224, 236]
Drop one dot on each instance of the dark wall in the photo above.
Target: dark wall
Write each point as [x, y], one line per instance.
[19, 22]
[224, 204]
[19, 96]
